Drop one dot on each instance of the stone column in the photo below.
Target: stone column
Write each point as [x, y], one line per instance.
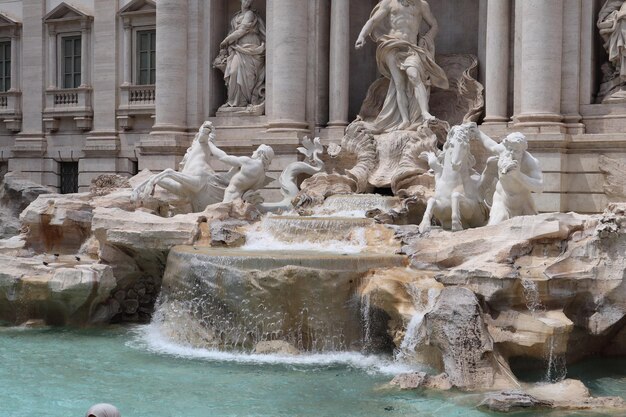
[171, 69]
[14, 68]
[102, 145]
[541, 57]
[339, 63]
[84, 51]
[168, 140]
[497, 61]
[128, 52]
[30, 148]
[287, 39]
[52, 58]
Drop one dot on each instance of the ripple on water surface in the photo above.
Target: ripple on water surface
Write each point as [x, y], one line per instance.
[61, 373]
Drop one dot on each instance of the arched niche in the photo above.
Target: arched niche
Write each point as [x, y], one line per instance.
[460, 32]
[599, 55]
[217, 25]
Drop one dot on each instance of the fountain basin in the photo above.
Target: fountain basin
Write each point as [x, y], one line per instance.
[338, 235]
[297, 228]
[356, 205]
[234, 299]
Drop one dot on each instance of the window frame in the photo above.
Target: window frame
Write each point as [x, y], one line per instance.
[61, 37]
[135, 73]
[6, 81]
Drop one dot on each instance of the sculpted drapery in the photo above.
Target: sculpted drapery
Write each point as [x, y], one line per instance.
[408, 63]
[612, 25]
[242, 59]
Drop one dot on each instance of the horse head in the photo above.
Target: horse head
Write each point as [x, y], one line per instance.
[457, 148]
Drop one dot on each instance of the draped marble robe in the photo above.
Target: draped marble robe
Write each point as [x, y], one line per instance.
[243, 62]
[612, 25]
[406, 55]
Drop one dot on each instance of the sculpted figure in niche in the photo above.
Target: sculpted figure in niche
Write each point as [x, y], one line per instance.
[407, 59]
[612, 25]
[519, 175]
[242, 60]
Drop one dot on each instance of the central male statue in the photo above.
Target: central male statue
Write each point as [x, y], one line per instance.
[407, 59]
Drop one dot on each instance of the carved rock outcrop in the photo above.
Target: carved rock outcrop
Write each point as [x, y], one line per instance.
[16, 194]
[456, 328]
[56, 290]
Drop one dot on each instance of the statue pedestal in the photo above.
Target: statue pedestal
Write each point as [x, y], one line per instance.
[251, 110]
[388, 160]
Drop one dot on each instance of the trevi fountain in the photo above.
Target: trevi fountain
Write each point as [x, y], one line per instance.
[404, 271]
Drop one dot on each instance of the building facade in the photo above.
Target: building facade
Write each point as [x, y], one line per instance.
[116, 86]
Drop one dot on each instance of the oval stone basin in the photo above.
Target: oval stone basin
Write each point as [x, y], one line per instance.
[234, 299]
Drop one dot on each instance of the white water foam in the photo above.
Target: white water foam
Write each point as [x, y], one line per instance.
[150, 338]
[352, 214]
[260, 240]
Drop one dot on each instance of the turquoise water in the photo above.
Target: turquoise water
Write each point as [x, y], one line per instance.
[60, 373]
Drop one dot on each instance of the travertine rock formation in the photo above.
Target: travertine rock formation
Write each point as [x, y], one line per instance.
[456, 328]
[16, 194]
[549, 287]
[67, 236]
[58, 290]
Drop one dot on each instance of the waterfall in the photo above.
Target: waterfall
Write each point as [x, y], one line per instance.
[293, 233]
[531, 296]
[355, 205]
[366, 319]
[412, 336]
[557, 366]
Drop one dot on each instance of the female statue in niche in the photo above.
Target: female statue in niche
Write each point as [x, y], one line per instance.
[612, 25]
[242, 60]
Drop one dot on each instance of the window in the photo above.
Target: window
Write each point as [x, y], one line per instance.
[5, 66]
[69, 177]
[71, 64]
[4, 168]
[146, 57]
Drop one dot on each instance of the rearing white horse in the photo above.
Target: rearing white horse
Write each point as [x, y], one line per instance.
[462, 196]
[196, 180]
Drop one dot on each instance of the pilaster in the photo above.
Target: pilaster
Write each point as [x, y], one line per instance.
[339, 89]
[102, 144]
[31, 142]
[287, 40]
[541, 63]
[497, 61]
[168, 140]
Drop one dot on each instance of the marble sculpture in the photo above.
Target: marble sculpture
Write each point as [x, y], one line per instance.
[519, 175]
[407, 59]
[247, 173]
[311, 149]
[612, 25]
[460, 192]
[242, 60]
[200, 184]
[464, 199]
